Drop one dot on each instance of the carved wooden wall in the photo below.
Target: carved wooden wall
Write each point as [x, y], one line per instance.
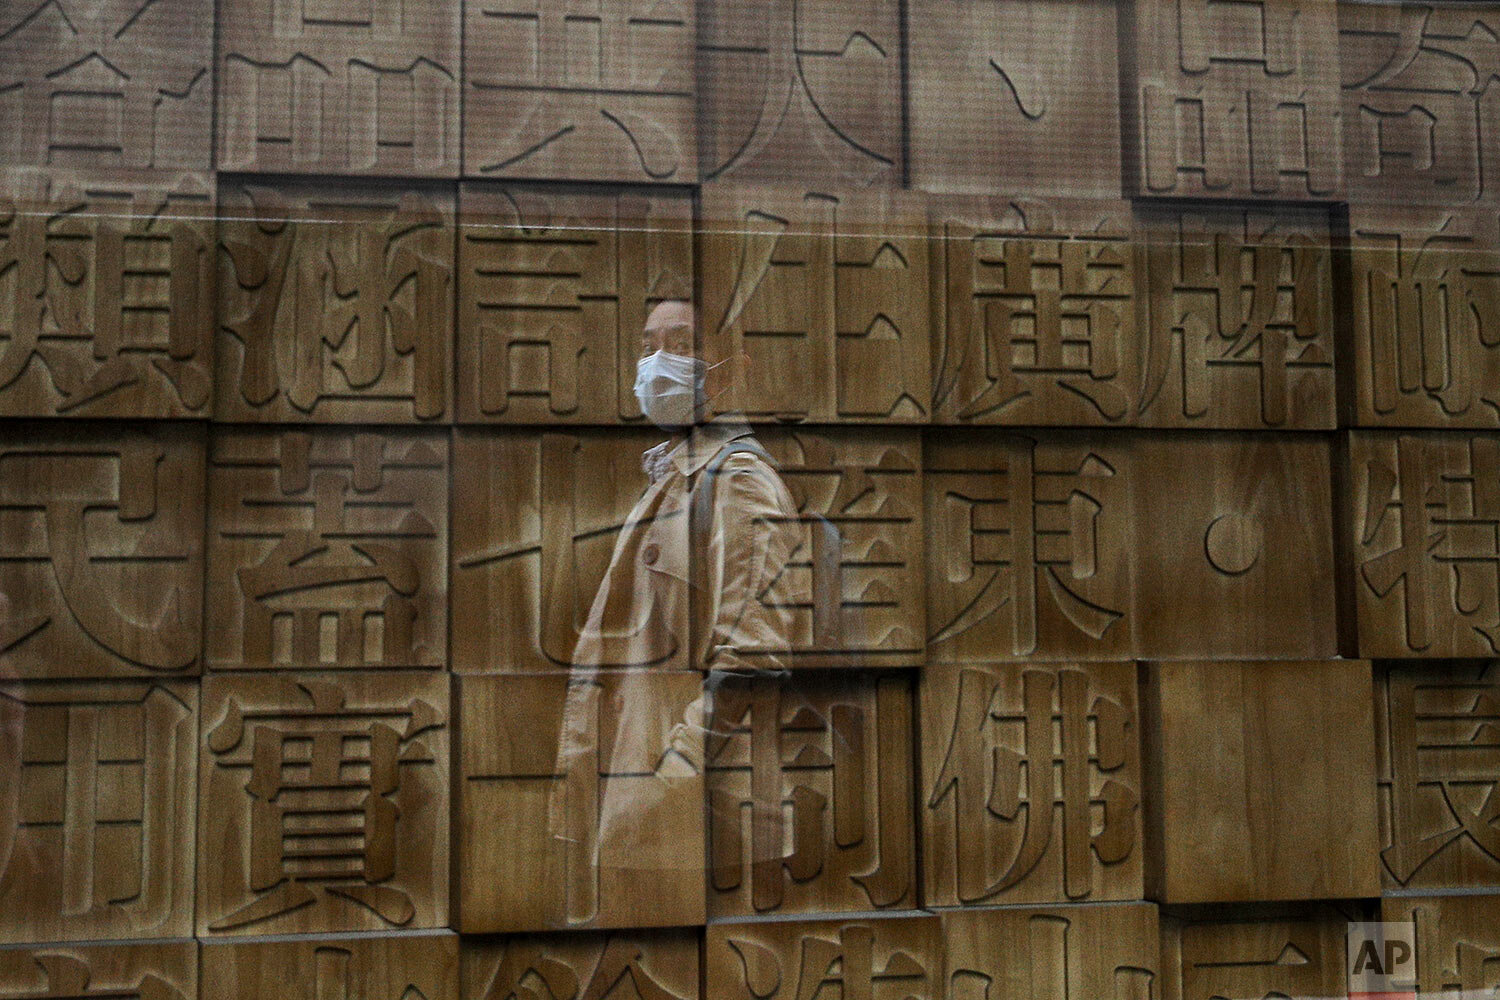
[1121, 622]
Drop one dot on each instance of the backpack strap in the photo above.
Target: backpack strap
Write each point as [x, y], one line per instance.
[703, 497]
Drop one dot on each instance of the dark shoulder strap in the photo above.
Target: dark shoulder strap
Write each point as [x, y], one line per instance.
[703, 495]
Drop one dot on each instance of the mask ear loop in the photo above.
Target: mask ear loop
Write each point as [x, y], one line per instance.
[707, 399]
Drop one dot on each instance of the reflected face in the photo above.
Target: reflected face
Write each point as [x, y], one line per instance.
[669, 328]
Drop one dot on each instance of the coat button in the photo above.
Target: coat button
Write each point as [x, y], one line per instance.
[650, 553]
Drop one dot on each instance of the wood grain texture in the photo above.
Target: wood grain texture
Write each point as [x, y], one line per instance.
[335, 302]
[161, 971]
[1426, 298]
[1261, 781]
[1237, 100]
[1069, 831]
[1034, 312]
[106, 293]
[876, 957]
[1021, 97]
[1418, 114]
[1255, 952]
[826, 295]
[101, 550]
[97, 809]
[1109, 952]
[1237, 317]
[1438, 754]
[324, 800]
[1062, 545]
[554, 290]
[575, 795]
[1425, 580]
[384, 967]
[801, 93]
[810, 794]
[593, 91]
[371, 507]
[853, 586]
[652, 965]
[339, 87]
[107, 83]
[1457, 943]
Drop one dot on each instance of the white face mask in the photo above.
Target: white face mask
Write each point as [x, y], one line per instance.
[668, 387]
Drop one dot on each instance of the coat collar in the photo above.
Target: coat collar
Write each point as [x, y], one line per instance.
[692, 451]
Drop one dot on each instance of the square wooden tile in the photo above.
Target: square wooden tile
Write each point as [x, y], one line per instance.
[380, 967]
[1457, 943]
[655, 965]
[884, 958]
[163, 971]
[1244, 952]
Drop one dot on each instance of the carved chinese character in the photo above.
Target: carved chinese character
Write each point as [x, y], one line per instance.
[801, 93]
[325, 804]
[1038, 318]
[554, 292]
[1438, 731]
[1239, 318]
[102, 556]
[890, 958]
[106, 294]
[581, 801]
[1015, 95]
[336, 304]
[596, 90]
[826, 295]
[96, 812]
[107, 83]
[339, 86]
[167, 971]
[1032, 785]
[1294, 952]
[1457, 945]
[1234, 100]
[328, 548]
[1426, 317]
[1418, 107]
[1067, 953]
[1236, 828]
[388, 967]
[660, 965]
[822, 765]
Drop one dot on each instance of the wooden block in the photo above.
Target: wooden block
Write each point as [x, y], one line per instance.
[1235, 100]
[339, 87]
[325, 803]
[1418, 119]
[101, 550]
[826, 296]
[880, 957]
[1071, 547]
[580, 802]
[1262, 779]
[554, 290]
[1437, 729]
[165, 971]
[387, 967]
[536, 519]
[597, 91]
[372, 507]
[1074, 833]
[801, 94]
[657, 965]
[1237, 310]
[1426, 300]
[1424, 510]
[836, 748]
[335, 303]
[96, 813]
[107, 83]
[1034, 311]
[851, 594]
[106, 293]
[1239, 954]
[1015, 96]
[1457, 944]
[1060, 953]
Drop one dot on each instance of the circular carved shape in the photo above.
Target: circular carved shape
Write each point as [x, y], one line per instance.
[1233, 543]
